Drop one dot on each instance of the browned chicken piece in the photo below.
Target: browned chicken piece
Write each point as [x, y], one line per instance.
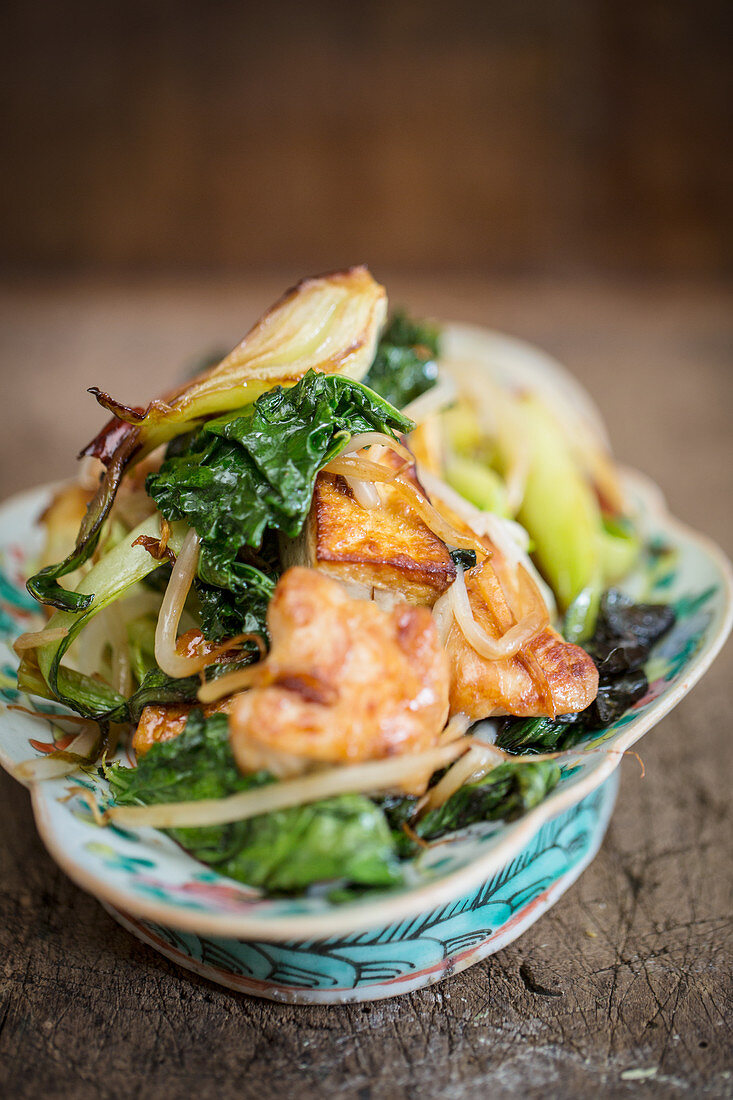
[548, 676]
[345, 681]
[164, 721]
[388, 548]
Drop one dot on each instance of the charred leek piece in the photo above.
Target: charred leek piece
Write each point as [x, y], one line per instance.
[110, 578]
[330, 324]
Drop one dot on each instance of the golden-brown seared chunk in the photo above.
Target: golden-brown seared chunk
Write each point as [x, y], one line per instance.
[388, 547]
[548, 676]
[164, 721]
[345, 680]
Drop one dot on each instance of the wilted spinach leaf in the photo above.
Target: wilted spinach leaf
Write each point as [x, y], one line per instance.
[196, 764]
[535, 735]
[615, 695]
[345, 838]
[620, 617]
[507, 792]
[405, 364]
[157, 687]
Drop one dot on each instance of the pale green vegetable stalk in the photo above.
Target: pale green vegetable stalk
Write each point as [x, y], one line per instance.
[112, 576]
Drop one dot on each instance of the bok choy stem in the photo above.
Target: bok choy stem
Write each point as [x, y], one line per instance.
[113, 575]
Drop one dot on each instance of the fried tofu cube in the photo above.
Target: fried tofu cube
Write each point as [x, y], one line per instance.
[388, 548]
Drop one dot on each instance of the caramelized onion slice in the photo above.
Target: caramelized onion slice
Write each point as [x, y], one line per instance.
[376, 439]
[365, 491]
[479, 639]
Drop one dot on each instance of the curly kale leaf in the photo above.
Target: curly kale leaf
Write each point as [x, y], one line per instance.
[345, 838]
[253, 471]
[405, 364]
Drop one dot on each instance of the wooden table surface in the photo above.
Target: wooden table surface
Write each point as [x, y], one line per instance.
[624, 986]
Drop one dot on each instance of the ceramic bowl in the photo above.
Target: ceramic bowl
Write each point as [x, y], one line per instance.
[464, 899]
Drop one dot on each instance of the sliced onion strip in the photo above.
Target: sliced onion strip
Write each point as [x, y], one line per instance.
[437, 523]
[428, 513]
[509, 537]
[493, 649]
[354, 466]
[376, 439]
[456, 728]
[376, 775]
[365, 492]
[443, 393]
[166, 631]
[476, 763]
[243, 678]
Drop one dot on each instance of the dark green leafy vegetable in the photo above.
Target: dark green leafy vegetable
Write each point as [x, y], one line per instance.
[507, 792]
[235, 600]
[196, 764]
[612, 657]
[159, 688]
[399, 809]
[244, 472]
[624, 635]
[620, 619]
[345, 838]
[85, 694]
[254, 471]
[614, 698]
[405, 364]
[536, 735]
[44, 586]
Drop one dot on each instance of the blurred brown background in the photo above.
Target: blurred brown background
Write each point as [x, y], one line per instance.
[530, 136]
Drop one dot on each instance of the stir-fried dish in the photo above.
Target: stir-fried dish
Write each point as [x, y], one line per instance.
[344, 593]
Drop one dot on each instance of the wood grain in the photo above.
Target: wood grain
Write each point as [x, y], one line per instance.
[624, 987]
[520, 136]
